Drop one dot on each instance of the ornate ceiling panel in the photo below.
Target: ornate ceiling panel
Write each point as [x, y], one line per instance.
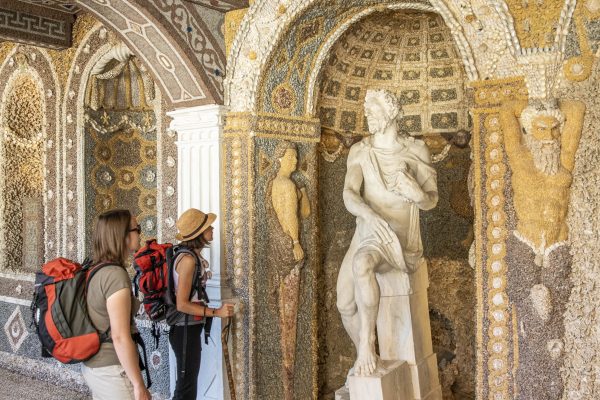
[60, 5]
[221, 5]
[30, 23]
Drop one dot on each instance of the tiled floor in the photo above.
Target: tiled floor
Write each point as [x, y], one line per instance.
[14, 386]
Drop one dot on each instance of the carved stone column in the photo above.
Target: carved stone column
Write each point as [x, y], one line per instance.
[497, 321]
[198, 182]
[258, 254]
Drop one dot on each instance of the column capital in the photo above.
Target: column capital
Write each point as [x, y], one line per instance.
[197, 119]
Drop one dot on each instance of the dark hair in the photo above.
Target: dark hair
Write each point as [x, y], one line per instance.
[110, 237]
[196, 243]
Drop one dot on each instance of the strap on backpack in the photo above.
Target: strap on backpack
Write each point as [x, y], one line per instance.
[90, 271]
[137, 339]
[197, 287]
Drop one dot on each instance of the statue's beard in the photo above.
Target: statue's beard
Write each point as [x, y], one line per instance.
[378, 126]
[546, 156]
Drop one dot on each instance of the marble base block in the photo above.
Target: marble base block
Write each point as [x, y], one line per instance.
[342, 393]
[425, 379]
[435, 394]
[404, 331]
[391, 381]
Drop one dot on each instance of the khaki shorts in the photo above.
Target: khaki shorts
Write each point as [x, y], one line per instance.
[108, 383]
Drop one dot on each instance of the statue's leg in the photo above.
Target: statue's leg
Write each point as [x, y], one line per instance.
[346, 302]
[367, 300]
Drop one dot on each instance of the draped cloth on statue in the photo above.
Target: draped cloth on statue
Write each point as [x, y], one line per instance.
[381, 170]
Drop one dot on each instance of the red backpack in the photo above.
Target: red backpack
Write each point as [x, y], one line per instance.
[59, 310]
[151, 264]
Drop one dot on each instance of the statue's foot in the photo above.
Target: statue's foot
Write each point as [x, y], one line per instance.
[366, 363]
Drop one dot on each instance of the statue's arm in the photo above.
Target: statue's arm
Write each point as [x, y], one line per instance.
[304, 203]
[352, 184]
[511, 128]
[574, 112]
[285, 203]
[429, 189]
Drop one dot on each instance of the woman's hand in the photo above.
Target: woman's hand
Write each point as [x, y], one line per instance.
[141, 393]
[225, 311]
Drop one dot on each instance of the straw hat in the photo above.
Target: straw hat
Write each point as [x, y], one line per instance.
[192, 223]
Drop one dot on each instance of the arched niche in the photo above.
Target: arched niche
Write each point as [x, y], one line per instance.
[120, 141]
[272, 89]
[109, 92]
[412, 54]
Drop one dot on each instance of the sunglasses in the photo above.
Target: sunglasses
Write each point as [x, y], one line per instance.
[137, 229]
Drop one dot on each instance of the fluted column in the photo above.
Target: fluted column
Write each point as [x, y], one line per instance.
[198, 182]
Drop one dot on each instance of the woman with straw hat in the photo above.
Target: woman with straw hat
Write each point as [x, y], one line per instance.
[190, 273]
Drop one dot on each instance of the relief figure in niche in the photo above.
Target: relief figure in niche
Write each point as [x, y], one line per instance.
[290, 204]
[541, 138]
[389, 179]
[541, 152]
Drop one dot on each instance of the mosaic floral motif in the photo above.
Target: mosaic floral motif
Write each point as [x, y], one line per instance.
[123, 166]
[16, 330]
[283, 98]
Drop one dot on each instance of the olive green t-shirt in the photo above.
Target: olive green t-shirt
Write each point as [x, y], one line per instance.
[104, 283]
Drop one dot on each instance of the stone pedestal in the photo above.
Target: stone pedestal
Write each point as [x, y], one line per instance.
[391, 381]
[404, 331]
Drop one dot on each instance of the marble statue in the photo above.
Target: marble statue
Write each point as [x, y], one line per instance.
[289, 204]
[389, 179]
[541, 152]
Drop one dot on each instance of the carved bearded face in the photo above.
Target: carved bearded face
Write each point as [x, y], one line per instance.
[381, 109]
[542, 137]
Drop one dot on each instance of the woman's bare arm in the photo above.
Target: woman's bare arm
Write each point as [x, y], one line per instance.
[119, 312]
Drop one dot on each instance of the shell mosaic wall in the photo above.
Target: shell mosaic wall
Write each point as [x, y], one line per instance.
[122, 170]
[121, 146]
[582, 338]
[22, 184]
[82, 130]
[512, 51]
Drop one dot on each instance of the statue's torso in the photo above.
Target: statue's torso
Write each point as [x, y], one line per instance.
[393, 208]
[541, 202]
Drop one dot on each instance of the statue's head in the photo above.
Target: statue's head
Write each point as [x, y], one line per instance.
[542, 122]
[287, 155]
[382, 108]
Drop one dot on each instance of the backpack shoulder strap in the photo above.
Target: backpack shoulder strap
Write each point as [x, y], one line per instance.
[178, 250]
[91, 270]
